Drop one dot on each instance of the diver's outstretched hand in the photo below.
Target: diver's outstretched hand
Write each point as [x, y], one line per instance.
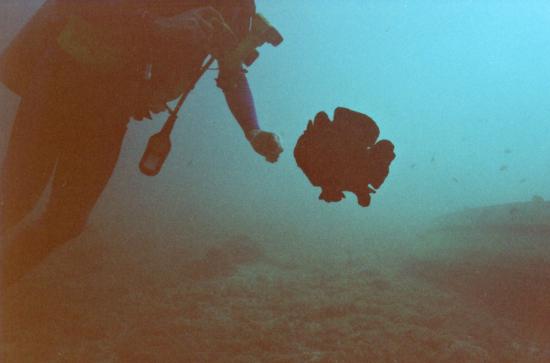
[265, 143]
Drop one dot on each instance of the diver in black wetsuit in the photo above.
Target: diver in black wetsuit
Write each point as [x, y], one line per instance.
[79, 69]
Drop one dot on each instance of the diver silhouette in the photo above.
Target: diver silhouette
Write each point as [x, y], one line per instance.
[83, 70]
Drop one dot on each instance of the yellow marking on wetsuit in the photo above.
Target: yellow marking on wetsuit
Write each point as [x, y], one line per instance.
[89, 46]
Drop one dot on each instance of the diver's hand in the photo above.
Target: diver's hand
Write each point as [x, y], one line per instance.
[265, 143]
[209, 21]
[199, 24]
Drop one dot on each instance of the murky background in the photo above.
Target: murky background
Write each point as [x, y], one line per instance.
[224, 257]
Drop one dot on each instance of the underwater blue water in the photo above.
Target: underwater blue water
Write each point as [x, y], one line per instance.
[458, 86]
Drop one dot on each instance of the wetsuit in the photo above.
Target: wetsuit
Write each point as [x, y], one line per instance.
[72, 120]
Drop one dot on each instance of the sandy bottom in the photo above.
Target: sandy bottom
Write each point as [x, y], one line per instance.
[241, 300]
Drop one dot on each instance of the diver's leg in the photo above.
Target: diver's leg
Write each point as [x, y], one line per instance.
[29, 161]
[32, 152]
[83, 170]
[28, 248]
[85, 165]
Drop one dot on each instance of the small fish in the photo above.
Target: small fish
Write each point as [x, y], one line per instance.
[455, 180]
[432, 160]
[507, 151]
[413, 166]
[523, 180]
[513, 210]
[503, 168]
[189, 163]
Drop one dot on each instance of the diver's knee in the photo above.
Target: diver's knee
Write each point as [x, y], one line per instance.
[8, 219]
[62, 230]
[63, 224]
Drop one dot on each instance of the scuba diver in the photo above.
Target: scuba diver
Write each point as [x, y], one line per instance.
[83, 70]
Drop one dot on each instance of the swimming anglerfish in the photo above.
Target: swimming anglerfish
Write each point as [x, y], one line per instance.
[344, 155]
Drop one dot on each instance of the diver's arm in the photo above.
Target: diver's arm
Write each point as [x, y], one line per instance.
[239, 99]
